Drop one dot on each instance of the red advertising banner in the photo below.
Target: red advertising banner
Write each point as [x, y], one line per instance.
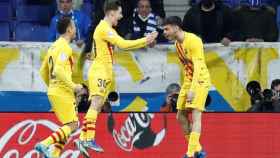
[139, 135]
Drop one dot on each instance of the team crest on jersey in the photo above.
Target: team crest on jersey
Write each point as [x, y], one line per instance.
[110, 34]
[63, 56]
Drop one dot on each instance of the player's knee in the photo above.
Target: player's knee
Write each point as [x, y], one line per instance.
[196, 120]
[180, 116]
[196, 116]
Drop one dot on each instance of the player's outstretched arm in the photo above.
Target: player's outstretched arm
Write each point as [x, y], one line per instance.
[115, 39]
[44, 71]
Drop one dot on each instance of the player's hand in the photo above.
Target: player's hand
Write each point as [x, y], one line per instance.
[151, 37]
[78, 89]
[154, 34]
[153, 44]
[190, 96]
[79, 43]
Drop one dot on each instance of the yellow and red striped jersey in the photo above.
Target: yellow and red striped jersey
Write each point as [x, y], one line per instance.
[191, 55]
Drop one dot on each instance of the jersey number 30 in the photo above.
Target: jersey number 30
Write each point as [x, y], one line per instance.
[102, 83]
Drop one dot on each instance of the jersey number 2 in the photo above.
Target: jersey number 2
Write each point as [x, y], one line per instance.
[51, 67]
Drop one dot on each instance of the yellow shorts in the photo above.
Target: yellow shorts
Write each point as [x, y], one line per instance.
[64, 108]
[200, 96]
[100, 82]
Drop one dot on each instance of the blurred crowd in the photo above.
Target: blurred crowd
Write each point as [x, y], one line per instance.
[214, 21]
[264, 100]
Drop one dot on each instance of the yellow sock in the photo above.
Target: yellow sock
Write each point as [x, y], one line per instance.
[83, 134]
[58, 147]
[60, 135]
[193, 142]
[198, 147]
[187, 137]
[91, 118]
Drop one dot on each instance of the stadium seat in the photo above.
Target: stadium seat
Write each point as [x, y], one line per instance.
[4, 31]
[278, 21]
[31, 32]
[5, 1]
[32, 2]
[5, 12]
[34, 13]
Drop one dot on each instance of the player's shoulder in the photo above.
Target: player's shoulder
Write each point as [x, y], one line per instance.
[65, 45]
[104, 27]
[192, 38]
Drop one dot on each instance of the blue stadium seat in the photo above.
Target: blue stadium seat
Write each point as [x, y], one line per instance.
[4, 31]
[5, 12]
[278, 20]
[31, 32]
[5, 1]
[34, 13]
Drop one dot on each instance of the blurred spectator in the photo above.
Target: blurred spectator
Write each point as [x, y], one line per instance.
[128, 7]
[144, 20]
[275, 87]
[255, 23]
[172, 92]
[158, 8]
[82, 21]
[211, 20]
[77, 4]
[266, 100]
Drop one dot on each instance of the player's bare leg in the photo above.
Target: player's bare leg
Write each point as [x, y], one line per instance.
[194, 146]
[182, 117]
[59, 137]
[87, 137]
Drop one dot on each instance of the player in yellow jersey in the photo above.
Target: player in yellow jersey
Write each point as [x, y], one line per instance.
[56, 71]
[194, 91]
[100, 75]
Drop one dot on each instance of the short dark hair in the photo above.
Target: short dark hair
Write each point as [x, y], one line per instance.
[275, 83]
[111, 6]
[173, 20]
[62, 24]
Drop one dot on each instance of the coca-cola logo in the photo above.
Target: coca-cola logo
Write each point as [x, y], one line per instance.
[136, 131]
[23, 134]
